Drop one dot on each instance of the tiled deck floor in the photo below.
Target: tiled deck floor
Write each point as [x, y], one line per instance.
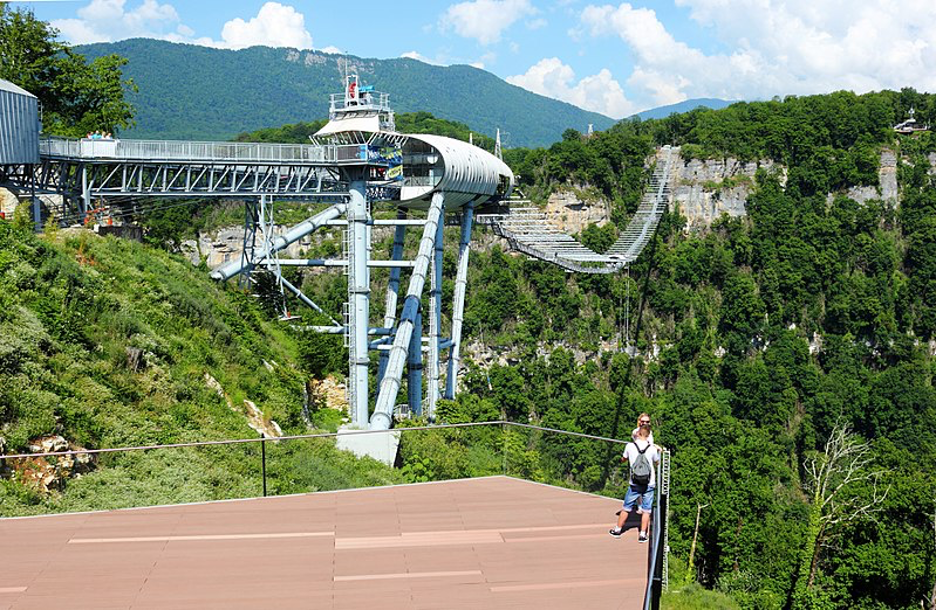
[482, 543]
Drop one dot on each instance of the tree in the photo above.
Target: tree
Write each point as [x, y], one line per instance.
[77, 97]
[843, 488]
[933, 596]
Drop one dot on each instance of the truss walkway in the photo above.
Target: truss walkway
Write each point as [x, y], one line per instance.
[528, 230]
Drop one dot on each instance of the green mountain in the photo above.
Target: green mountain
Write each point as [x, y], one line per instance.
[188, 91]
[686, 106]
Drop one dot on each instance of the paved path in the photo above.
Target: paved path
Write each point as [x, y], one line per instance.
[482, 543]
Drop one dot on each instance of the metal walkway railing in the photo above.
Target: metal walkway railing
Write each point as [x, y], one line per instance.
[188, 151]
[528, 230]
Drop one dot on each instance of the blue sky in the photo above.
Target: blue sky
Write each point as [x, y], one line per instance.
[617, 58]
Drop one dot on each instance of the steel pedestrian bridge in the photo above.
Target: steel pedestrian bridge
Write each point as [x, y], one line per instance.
[354, 162]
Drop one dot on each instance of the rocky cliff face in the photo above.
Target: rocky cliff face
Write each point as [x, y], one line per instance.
[574, 209]
[707, 189]
[704, 190]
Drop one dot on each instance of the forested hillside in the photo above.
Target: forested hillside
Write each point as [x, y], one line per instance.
[194, 92]
[756, 340]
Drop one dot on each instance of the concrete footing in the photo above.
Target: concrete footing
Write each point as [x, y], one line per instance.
[380, 445]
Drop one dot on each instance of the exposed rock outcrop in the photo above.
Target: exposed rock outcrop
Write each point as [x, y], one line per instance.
[704, 190]
[328, 393]
[574, 209]
[47, 474]
[255, 417]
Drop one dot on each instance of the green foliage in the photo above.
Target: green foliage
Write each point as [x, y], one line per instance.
[75, 304]
[77, 97]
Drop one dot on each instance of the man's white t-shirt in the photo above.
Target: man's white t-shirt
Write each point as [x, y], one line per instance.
[653, 456]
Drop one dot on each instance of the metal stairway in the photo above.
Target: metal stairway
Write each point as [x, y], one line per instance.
[529, 231]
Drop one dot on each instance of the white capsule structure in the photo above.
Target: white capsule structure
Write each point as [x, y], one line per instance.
[462, 171]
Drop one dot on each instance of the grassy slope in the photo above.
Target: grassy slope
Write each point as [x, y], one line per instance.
[72, 304]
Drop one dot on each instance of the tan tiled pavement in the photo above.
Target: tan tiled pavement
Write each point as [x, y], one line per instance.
[487, 543]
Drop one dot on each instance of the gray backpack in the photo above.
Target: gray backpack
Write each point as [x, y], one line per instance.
[641, 468]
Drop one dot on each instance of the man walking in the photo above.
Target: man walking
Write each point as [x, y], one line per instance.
[642, 455]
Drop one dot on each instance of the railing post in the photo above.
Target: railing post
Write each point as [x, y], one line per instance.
[263, 461]
[504, 446]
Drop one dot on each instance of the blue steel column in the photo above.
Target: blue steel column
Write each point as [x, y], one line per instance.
[414, 366]
[393, 289]
[458, 309]
[435, 319]
[390, 386]
[358, 302]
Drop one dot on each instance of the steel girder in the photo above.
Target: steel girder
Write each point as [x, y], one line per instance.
[192, 179]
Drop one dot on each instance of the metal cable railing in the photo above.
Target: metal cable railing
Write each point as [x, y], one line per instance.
[658, 550]
[192, 151]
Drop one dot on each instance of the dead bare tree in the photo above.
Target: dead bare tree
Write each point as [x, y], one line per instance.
[843, 487]
[690, 573]
[933, 596]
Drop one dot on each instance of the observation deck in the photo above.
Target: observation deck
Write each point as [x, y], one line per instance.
[493, 542]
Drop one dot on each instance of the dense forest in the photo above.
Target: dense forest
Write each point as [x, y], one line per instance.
[786, 357]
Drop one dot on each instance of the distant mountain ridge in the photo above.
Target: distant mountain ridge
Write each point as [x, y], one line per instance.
[195, 92]
[685, 106]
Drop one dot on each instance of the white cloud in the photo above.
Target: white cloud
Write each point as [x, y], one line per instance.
[600, 92]
[776, 48]
[109, 20]
[420, 57]
[275, 25]
[485, 20]
[332, 50]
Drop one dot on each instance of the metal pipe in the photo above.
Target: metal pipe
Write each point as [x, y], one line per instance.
[393, 289]
[305, 299]
[414, 368]
[435, 319]
[401, 222]
[390, 386]
[458, 309]
[295, 234]
[340, 330]
[334, 262]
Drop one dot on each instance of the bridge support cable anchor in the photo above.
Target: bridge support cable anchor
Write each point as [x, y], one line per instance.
[435, 319]
[458, 306]
[393, 288]
[390, 386]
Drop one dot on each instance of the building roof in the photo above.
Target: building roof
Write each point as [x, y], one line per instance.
[6, 85]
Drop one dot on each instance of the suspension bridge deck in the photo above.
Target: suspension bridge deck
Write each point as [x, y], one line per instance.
[491, 543]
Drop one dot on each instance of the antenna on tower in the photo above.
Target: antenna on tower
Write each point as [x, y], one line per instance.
[497, 147]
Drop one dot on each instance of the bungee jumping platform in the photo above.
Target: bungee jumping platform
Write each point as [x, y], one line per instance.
[491, 543]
